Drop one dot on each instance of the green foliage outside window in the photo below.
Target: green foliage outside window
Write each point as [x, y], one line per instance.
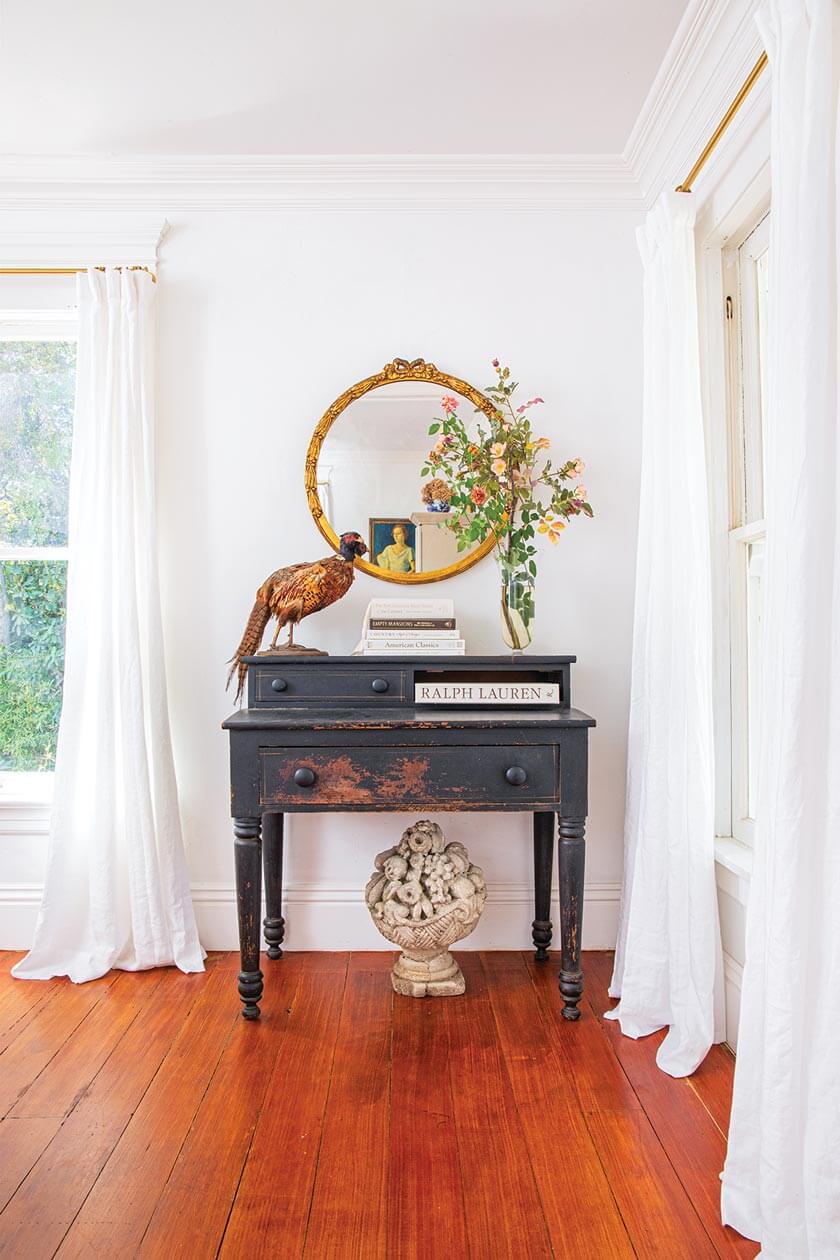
[31, 662]
[36, 415]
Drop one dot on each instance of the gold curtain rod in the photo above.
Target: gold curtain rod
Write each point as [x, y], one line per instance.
[685, 186]
[65, 271]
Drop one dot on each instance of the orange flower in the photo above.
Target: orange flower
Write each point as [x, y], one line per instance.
[478, 495]
[551, 526]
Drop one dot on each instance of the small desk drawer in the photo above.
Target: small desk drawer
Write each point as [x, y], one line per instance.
[277, 685]
[394, 777]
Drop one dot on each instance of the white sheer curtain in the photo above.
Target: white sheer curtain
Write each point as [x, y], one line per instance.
[116, 891]
[781, 1183]
[668, 961]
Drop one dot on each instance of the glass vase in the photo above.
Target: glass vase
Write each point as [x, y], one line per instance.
[517, 608]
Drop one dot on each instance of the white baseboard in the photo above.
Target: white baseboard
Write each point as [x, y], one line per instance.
[331, 917]
[733, 973]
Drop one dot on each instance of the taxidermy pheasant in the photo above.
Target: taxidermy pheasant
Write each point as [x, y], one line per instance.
[293, 593]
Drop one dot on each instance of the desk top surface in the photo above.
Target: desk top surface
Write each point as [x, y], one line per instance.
[522, 661]
[425, 718]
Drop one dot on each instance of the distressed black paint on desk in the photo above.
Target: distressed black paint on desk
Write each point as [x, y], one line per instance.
[343, 734]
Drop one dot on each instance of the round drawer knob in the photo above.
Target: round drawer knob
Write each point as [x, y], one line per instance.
[304, 777]
[279, 684]
[516, 775]
[379, 684]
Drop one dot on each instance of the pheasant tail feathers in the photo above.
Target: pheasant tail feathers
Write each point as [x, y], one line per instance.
[251, 640]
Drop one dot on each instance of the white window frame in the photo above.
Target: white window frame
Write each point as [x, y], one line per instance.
[17, 787]
[744, 426]
[725, 222]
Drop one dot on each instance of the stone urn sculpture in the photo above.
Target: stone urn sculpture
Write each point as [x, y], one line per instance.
[424, 896]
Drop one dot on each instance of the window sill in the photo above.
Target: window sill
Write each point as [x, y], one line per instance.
[733, 868]
[25, 803]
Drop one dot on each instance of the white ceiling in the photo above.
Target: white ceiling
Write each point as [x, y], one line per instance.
[327, 76]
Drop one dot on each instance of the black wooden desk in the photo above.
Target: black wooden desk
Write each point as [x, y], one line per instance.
[343, 733]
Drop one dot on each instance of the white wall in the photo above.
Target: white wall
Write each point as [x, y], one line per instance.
[265, 317]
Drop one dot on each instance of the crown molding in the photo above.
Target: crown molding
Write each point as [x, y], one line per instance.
[58, 238]
[467, 182]
[715, 47]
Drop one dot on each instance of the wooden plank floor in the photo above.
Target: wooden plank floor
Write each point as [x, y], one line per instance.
[140, 1116]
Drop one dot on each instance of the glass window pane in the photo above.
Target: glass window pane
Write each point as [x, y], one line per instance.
[37, 382]
[32, 602]
[762, 283]
[755, 574]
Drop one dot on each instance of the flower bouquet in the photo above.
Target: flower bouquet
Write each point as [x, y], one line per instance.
[504, 484]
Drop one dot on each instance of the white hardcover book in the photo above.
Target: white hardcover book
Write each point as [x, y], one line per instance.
[513, 694]
[416, 644]
[410, 608]
[405, 636]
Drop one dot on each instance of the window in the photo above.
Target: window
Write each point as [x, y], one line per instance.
[37, 379]
[746, 311]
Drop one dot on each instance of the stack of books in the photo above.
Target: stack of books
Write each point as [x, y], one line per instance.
[410, 627]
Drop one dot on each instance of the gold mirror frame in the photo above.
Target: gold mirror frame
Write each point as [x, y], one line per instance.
[398, 370]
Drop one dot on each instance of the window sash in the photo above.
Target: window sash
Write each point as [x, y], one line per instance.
[746, 388]
[745, 424]
[21, 788]
[742, 679]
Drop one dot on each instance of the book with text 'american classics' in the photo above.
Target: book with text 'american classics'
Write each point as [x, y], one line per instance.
[417, 644]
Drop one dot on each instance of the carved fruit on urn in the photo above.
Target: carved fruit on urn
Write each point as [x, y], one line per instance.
[424, 896]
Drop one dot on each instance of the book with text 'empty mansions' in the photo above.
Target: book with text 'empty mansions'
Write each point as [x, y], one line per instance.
[412, 623]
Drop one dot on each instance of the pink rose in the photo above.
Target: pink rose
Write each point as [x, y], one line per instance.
[449, 404]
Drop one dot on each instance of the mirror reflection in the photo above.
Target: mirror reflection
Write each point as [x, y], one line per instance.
[368, 473]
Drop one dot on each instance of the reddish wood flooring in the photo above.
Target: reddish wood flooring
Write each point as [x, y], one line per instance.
[140, 1116]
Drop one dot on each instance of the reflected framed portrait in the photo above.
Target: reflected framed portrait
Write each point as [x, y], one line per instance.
[392, 542]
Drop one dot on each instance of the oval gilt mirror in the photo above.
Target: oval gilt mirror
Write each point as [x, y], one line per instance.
[363, 473]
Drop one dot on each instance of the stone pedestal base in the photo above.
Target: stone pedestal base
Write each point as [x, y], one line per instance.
[426, 973]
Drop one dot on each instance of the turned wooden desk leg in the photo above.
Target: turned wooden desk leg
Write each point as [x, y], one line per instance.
[571, 860]
[248, 890]
[274, 924]
[543, 863]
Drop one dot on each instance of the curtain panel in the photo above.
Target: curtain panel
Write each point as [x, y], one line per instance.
[116, 892]
[781, 1182]
[668, 968]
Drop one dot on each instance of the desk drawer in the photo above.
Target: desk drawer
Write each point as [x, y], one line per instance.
[400, 776]
[277, 685]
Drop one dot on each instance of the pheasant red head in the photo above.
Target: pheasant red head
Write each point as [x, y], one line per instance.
[351, 545]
